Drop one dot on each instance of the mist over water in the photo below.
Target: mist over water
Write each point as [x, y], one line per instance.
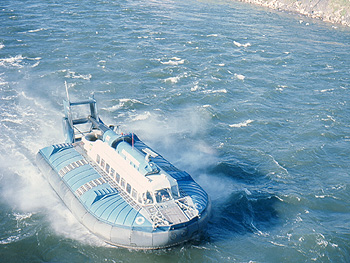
[253, 103]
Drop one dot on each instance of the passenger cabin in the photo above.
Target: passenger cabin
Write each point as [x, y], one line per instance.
[132, 169]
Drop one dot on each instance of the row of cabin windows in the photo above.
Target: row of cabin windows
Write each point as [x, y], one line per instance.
[110, 171]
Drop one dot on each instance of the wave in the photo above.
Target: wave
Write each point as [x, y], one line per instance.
[241, 45]
[18, 61]
[239, 76]
[241, 124]
[74, 75]
[9, 240]
[141, 117]
[12, 62]
[20, 233]
[215, 91]
[326, 90]
[123, 103]
[36, 30]
[174, 61]
[173, 79]
[112, 108]
[195, 87]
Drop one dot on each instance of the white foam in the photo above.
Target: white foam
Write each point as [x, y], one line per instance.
[216, 91]
[241, 124]
[278, 165]
[174, 61]
[172, 79]
[329, 118]
[239, 76]
[112, 108]
[141, 117]
[195, 87]
[241, 45]
[74, 75]
[277, 244]
[9, 240]
[326, 90]
[12, 61]
[132, 100]
[2, 45]
[22, 216]
[36, 64]
[281, 87]
[17, 61]
[36, 30]
[122, 103]
[37, 58]
[247, 191]
[18, 121]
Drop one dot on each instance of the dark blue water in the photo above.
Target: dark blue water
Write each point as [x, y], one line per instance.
[254, 103]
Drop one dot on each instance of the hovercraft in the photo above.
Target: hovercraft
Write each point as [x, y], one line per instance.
[120, 189]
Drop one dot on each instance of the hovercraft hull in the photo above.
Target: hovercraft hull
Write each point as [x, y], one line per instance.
[106, 211]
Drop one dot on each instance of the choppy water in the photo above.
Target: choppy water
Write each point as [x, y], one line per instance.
[254, 103]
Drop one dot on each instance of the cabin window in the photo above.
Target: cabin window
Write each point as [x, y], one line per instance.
[98, 158]
[140, 199]
[128, 188]
[147, 198]
[112, 173]
[122, 183]
[102, 163]
[175, 191]
[134, 194]
[163, 195]
[117, 177]
[107, 168]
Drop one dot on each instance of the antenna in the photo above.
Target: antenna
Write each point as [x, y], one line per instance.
[65, 83]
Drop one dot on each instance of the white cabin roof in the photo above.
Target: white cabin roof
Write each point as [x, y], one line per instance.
[132, 165]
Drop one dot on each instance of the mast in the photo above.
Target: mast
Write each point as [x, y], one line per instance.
[71, 131]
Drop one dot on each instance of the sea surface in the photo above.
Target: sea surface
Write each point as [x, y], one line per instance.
[253, 103]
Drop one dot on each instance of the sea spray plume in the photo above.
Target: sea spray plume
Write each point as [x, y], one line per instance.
[24, 189]
[183, 132]
[22, 186]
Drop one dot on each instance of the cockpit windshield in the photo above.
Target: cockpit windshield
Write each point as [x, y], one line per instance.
[147, 198]
[175, 191]
[163, 195]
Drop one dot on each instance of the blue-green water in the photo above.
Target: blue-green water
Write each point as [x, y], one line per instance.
[254, 103]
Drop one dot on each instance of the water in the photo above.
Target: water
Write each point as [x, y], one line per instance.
[253, 103]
